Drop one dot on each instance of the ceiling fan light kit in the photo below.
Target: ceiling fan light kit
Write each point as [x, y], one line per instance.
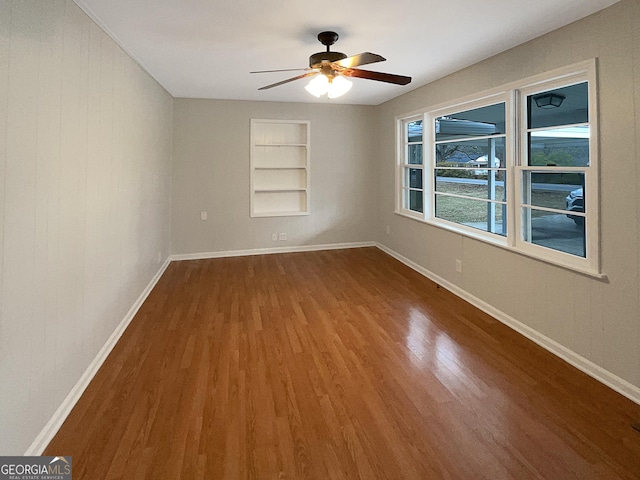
[329, 70]
[338, 86]
[334, 87]
[318, 86]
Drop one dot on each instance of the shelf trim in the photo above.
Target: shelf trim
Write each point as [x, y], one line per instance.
[279, 168]
[280, 145]
[280, 214]
[277, 190]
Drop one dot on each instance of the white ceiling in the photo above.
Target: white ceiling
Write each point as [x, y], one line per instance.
[206, 48]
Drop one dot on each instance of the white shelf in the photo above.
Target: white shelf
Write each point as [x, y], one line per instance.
[304, 145]
[269, 190]
[279, 214]
[279, 168]
[279, 176]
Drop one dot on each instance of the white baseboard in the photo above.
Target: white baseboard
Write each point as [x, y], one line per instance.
[269, 251]
[53, 425]
[616, 383]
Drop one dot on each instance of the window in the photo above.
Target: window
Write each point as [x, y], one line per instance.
[470, 175]
[412, 198]
[515, 167]
[555, 166]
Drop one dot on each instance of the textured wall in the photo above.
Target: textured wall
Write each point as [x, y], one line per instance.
[85, 165]
[211, 172]
[597, 319]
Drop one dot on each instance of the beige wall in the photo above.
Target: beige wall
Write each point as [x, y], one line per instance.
[211, 173]
[596, 319]
[85, 158]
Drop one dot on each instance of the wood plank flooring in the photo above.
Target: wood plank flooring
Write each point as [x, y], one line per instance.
[339, 364]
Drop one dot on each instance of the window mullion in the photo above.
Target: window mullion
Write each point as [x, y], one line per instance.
[429, 164]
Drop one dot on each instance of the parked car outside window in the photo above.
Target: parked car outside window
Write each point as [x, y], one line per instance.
[575, 203]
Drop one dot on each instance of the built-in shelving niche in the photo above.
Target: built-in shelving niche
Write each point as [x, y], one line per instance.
[279, 168]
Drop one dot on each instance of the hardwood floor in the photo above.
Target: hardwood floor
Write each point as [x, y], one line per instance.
[334, 365]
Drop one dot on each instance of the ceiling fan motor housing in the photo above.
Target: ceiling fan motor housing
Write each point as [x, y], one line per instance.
[317, 59]
[327, 39]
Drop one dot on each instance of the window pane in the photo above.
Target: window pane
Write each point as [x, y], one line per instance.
[413, 200]
[483, 215]
[573, 106]
[414, 154]
[563, 190]
[414, 131]
[413, 178]
[556, 231]
[479, 122]
[471, 153]
[567, 147]
[463, 182]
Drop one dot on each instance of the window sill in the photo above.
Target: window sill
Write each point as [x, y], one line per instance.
[503, 243]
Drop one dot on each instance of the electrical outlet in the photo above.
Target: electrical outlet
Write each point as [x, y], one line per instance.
[274, 237]
[203, 215]
[388, 230]
[458, 266]
[282, 236]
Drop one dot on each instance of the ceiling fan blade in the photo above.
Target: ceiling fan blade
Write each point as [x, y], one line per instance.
[360, 59]
[315, 72]
[285, 70]
[379, 76]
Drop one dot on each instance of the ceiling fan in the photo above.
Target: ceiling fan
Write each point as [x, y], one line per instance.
[333, 67]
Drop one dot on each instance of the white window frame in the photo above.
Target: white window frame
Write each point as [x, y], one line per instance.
[430, 161]
[590, 262]
[514, 96]
[402, 155]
